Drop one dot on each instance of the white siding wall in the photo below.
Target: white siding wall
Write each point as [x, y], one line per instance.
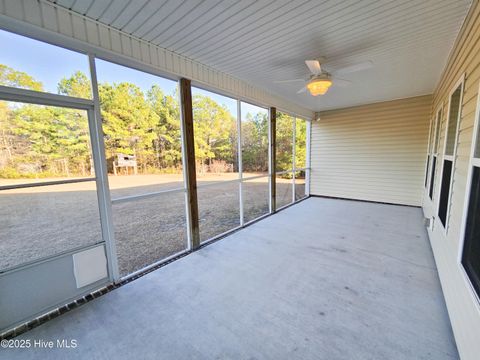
[373, 152]
[46, 21]
[463, 308]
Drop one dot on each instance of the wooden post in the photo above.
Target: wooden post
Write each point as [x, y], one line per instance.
[189, 154]
[273, 158]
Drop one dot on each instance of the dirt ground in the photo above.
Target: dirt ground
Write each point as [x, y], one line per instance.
[43, 221]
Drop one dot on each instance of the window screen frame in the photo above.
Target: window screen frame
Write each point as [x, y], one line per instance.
[114, 199]
[103, 191]
[459, 84]
[25, 96]
[472, 163]
[244, 179]
[291, 170]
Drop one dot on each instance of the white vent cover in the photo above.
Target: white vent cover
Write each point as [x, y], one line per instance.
[90, 266]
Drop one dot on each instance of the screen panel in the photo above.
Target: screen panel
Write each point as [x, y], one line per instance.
[300, 185]
[148, 230]
[218, 208]
[254, 137]
[255, 196]
[300, 144]
[43, 221]
[284, 142]
[43, 143]
[284, 189]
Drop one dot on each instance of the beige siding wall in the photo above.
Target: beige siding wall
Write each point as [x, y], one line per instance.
[373, 152]
[463, 308]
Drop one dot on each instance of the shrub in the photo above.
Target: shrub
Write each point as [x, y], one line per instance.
[10, 173]
[220, 166]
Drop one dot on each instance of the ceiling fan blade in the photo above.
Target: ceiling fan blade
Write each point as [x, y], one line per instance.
[314, 66]
[354, 68]
[288, 81]
[302, 90]
[341, 82]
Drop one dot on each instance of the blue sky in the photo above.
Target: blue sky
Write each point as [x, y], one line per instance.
[49, 64]
[113, 73]
[45, 62]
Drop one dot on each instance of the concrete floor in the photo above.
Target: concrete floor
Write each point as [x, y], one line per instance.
[324, 279]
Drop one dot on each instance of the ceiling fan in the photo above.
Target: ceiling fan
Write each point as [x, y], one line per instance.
[320, 80]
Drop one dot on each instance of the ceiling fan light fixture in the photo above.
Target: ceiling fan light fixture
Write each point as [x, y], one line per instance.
[319, 86]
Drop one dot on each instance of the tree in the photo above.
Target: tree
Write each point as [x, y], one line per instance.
[44, 139]
[168, 144]
[18, 79]
[255, 143]
[284, 142]
[54, 138]
[78, 85]
[215, 132]
[300, 143]
[8, 140]
[129, 122]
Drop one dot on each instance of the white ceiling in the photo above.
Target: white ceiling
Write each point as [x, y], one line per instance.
[261, 41]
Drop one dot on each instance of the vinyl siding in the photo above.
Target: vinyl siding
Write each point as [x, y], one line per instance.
[463, 307]
[373, 152]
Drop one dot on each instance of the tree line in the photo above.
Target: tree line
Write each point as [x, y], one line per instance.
[44, 141]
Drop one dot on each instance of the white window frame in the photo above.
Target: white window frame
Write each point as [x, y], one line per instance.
[460, 83]
[429, 150]
[434, 152]
[473, 162]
